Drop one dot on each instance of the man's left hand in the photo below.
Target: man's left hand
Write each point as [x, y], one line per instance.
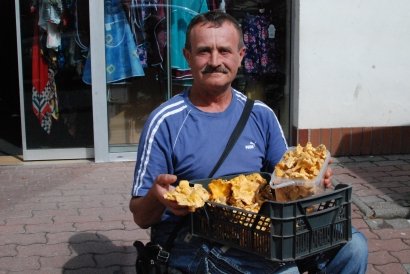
[328, 176]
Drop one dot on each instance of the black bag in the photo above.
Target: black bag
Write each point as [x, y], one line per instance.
[152, 258]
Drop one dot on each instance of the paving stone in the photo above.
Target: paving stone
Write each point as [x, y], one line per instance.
[407, 267]
[99, 226]
[114, 259]
[390, 233]
[43, 250]
[381, 258]
[8, 250]
[22, 239]
[98, 247]
[395, 268]
[402, 255]
[399, 223]
[391, 163]
[390, 245]
[19, 264]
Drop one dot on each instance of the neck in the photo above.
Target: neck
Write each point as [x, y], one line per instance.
[210, 100]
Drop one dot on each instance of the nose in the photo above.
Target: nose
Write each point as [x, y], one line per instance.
[214, 59]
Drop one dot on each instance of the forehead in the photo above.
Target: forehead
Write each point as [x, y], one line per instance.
[203, 31]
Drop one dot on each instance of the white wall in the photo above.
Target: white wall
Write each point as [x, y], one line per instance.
[354, 63]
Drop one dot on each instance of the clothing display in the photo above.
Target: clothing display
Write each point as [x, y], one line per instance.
[121, 53]
[260, 55]
[44, 92]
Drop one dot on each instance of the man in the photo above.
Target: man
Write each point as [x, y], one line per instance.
[183, 139]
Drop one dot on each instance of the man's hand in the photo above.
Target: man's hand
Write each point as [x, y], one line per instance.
[328, 176]
[162, 185]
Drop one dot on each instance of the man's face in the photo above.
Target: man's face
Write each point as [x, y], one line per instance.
[214, 57]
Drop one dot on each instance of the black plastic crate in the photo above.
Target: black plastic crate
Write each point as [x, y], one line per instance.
[279, 231]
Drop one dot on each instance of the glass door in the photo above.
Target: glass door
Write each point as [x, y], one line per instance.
[56, 104]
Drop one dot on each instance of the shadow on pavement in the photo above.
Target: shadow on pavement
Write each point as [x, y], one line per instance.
[98, 254]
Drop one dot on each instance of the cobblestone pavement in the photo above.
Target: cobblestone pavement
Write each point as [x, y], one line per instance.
[71, 217]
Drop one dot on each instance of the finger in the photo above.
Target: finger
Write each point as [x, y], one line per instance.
[165, 179]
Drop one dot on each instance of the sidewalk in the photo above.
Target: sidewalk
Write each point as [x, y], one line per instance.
[69, 217]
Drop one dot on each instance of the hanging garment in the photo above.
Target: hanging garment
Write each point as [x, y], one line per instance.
[260, 56]
[136, 14]
[44, 93]
[182, 13]
[121, 53]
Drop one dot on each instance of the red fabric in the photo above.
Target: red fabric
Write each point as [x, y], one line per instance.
[39, 66]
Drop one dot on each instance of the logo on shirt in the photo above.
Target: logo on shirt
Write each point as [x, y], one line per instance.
[251, 145]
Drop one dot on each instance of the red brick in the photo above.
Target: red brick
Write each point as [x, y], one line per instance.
[376, 141]
[314, 137]
[19, 264]
[397, 140]
[325, 137]
[405, 145]
[386, 140]
[345, 143]
[335, 147]
[303, 136]
[43, 250]
[356, 149]
[366, 141]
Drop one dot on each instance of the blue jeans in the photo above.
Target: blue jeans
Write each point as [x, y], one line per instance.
[191, 254]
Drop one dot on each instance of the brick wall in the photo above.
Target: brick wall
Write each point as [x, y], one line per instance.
[357, 141]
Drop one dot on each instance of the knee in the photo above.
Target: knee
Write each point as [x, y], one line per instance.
[356, 251]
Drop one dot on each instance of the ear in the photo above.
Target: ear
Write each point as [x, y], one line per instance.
[187, 55]
[241, 54]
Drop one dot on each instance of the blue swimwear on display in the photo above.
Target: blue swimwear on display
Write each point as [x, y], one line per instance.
[121, 53]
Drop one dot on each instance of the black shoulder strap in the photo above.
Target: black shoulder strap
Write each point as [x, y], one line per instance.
[235, 134]
[232, 140]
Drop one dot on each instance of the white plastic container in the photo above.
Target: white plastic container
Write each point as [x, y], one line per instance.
[291, 189]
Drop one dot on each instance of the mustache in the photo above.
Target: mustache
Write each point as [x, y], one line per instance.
[210, 69]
